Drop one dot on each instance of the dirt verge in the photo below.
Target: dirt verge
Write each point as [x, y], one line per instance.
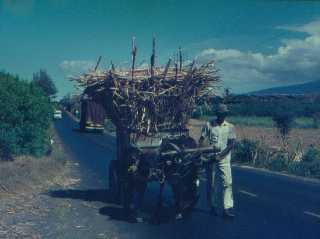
[22, 182]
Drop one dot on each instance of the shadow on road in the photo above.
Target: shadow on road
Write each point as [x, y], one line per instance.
[93, 132]
[151, 214]
[114, 213]
[113, 210]
[90, 195]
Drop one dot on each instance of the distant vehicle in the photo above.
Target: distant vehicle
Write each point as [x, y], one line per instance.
[92, 127]
[92, 116]
[57, 114]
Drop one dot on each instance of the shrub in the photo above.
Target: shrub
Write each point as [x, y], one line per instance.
[279, 162]
[313, 169]
[24, 117]
[252, 153]
[311, 155]
[245, 151]
[306, 169]
[283, 121]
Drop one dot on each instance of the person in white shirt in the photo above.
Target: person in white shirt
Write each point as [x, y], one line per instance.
[221, 135]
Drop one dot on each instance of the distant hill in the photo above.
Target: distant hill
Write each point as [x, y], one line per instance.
[306, 88]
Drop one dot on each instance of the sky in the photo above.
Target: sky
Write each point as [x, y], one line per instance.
[256, 44]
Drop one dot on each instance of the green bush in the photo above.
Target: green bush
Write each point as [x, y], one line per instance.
[283, 120]
[279, 162]
[313, 169]
[252, 153]
[245, 151]
[25, 117]
[311, 155]
[306, 169]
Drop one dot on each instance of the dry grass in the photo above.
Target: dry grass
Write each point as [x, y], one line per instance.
[22, 181]
[269, 136]
[28, 174]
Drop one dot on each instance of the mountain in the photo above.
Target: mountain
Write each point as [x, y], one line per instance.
[305, 88]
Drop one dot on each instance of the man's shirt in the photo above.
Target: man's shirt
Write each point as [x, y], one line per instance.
[219, 135]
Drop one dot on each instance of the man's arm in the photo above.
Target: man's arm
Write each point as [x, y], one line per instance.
[226, 151]
[230, 144]
[203, 134]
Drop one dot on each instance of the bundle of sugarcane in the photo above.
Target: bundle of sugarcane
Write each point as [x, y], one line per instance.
[147, 101]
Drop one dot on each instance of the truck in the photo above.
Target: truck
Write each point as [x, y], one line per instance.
[92, 115]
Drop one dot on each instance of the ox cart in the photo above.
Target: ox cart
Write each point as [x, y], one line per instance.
[150, 109]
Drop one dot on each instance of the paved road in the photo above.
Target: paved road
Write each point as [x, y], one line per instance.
[267, 205]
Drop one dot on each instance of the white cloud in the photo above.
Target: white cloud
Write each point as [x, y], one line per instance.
[295, 61]
[311, 28]
[77, 66]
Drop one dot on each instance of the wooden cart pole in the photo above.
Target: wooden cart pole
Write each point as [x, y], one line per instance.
[180, 59]
[153, 56]
[123, 147]
[134, 54]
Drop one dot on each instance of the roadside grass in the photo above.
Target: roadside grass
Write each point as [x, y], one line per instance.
[298, 162]
[22, 181]
[26, 173]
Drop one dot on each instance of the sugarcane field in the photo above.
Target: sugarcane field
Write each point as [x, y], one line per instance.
[159, 119]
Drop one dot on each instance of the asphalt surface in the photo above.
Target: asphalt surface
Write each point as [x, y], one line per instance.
[267, 205]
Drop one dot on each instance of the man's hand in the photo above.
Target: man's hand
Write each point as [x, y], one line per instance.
[218, 156]
[224, 153]
[204, 159]
[133, 168]
[210, 159]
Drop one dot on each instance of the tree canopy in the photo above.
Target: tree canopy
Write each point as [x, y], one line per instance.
[24, 117]
[45, 82]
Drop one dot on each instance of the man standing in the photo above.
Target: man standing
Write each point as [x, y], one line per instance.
[221, 135]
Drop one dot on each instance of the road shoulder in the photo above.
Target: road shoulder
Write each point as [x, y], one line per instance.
[24, 182]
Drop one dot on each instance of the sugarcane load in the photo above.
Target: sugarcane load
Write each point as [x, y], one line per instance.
[150, 108]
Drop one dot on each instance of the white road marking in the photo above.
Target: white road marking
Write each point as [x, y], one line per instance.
[248, 193]
[312, 214]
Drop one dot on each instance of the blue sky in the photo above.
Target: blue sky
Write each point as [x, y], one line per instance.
[256, 44]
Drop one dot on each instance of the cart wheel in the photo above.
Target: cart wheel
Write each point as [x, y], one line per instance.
[114, 182]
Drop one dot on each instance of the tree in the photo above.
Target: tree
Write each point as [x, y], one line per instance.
[283, 120]
[25, 117]
[44, 81]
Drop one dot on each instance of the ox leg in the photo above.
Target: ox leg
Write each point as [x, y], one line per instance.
[157, 214]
